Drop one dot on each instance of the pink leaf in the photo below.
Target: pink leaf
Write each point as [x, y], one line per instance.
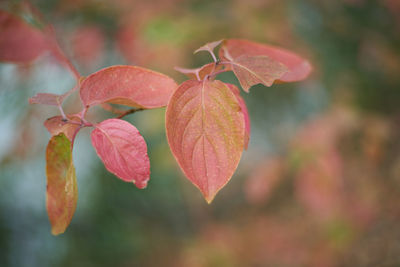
[47, 99]
[299, 68]
[258, 69]
[122, 150]
[19, 41]
[62, 190]
[245, 112]
[56, 125]
[205, 131]
[127, 85]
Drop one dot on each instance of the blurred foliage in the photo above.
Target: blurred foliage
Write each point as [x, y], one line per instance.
[318, 186]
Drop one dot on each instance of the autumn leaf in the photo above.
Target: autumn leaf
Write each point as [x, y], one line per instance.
[56, 125]
[127, 85]
[258, 69]
[298, 67]
[245, 112]
[47, 99]
[202, 72]
[209, 47]
[122, 150]
[62, 190]
[205, 131]
[19, 41]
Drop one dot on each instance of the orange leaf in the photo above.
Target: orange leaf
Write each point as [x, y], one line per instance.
[127, 85]
[299, 68]
[205, 131]
[258, 69]
[62, 190]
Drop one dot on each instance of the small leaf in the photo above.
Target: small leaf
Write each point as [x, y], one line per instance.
[245, 112]
[122, 150]
[19, 41]
[200, 73]
[127, 85]
[205, 131]
[47, 99]
[299, 68]
[258, 69]
[62, 190]
[56, 125]
[209, 47]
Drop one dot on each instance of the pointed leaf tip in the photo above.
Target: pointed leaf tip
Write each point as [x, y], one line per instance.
[122, 150]
[205, 131]
[209, 46]
[62, 190]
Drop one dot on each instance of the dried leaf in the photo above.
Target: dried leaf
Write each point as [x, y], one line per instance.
[127, 85]
[47, 99]
[62, 190]
[299, 68]
[19, 41]
[209, 46]
[258, 69]
[56, 125]
[122, 150]
[205, 130]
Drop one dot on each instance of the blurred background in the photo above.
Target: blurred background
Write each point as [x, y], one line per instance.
[318, 186]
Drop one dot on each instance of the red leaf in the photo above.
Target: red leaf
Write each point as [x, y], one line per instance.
[19, 42]
[55, 125]
[299, 68]
[205, 131]
[200, 73]
[127, 85]
[245, 112]
[122, 150]
[47, 99]
[62, 190]
[258, 69]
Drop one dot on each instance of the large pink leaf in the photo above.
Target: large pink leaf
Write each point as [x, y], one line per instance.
[19, 42]
[252, 70]
[122, 150]
[245, 112]
[62, 190]
[127, 85]
[205, 131]
[299, 68]
[56, 125]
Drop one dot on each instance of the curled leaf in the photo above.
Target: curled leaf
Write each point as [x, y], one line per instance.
[56, 125]
[245, 112]
[258, 69]
[298, 67]
[205, 131]
[47, 99]
[202, 72]
[127, 85]
[209, 47]
[122, 150]
[19, 41]
[62, 190]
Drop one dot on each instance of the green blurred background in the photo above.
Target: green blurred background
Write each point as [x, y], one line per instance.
[318, 186]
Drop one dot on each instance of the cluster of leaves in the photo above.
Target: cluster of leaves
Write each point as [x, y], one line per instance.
[207, 121]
